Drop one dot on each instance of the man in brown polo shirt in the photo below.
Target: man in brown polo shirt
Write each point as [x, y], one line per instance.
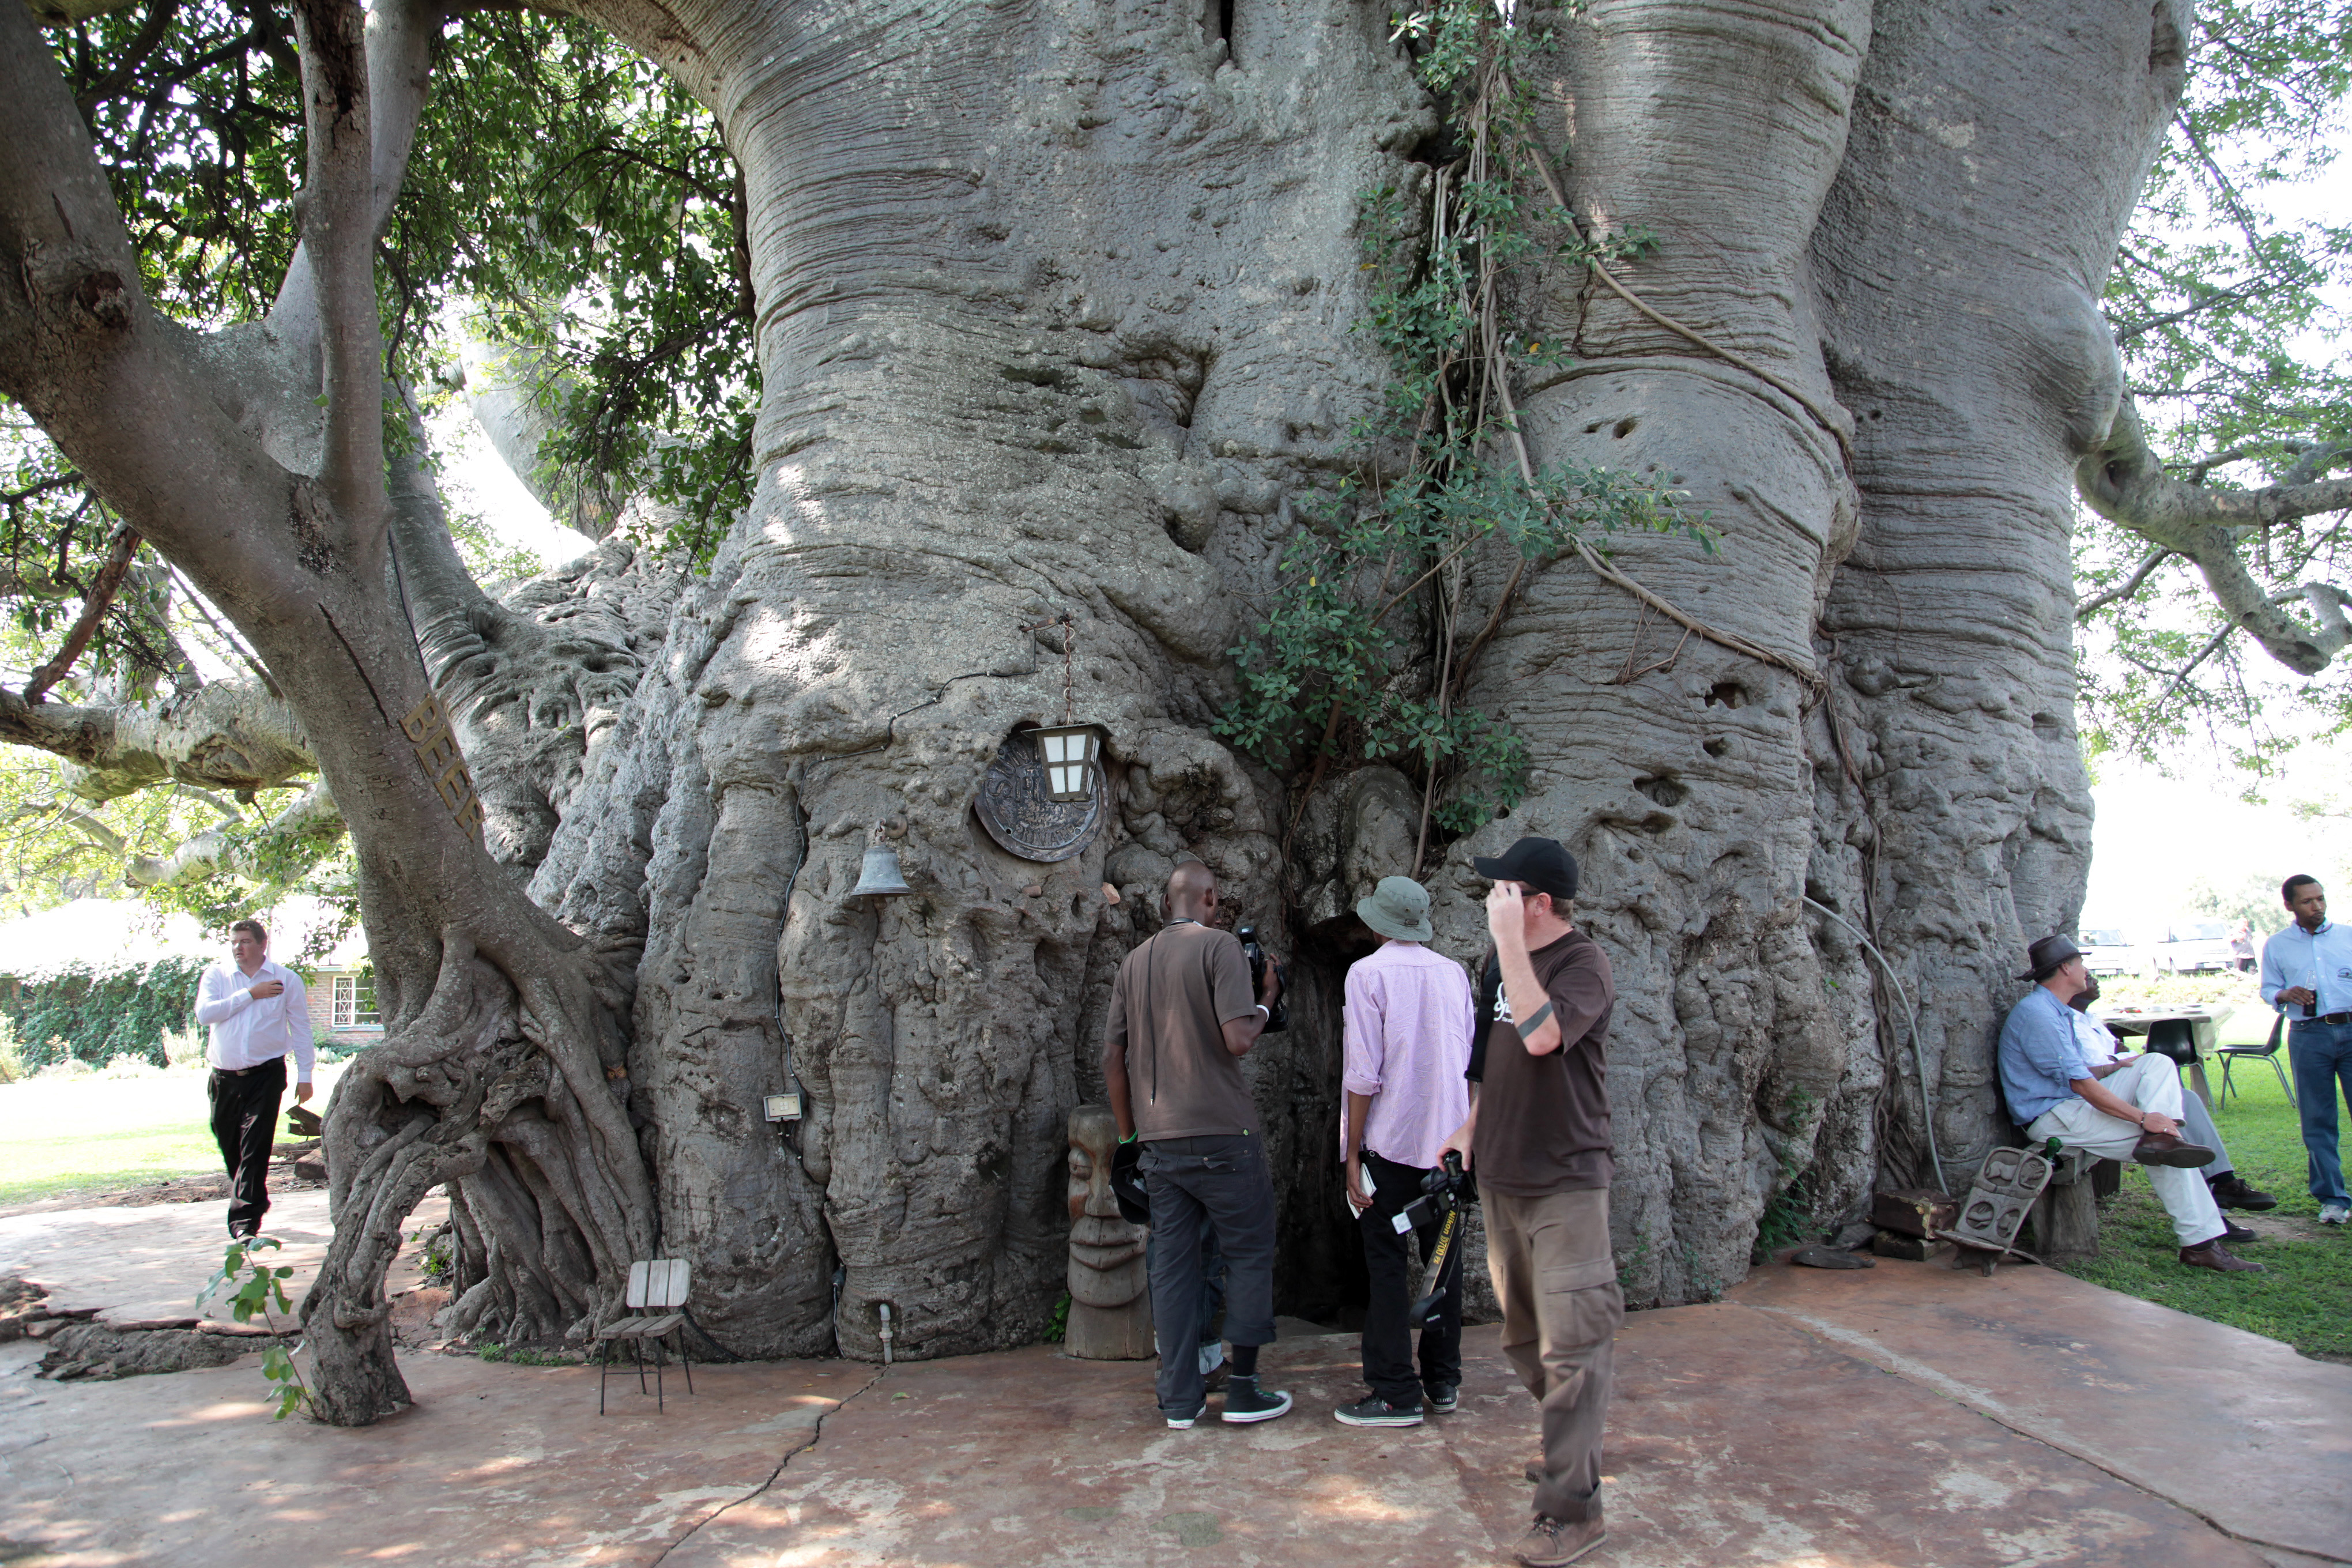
[1538, 1139]
[1182, 1017]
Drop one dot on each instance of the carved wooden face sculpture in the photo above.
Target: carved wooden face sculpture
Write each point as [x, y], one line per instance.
[1106, 1267]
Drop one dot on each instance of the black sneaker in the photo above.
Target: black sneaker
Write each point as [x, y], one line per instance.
[1182, 1422]
[1440, 1398]
[2235, 1232]
[1374, 1411]
[1245, 1401]
[2230, 1192]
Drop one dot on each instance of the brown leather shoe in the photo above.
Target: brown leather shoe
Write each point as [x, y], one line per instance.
[1553, 1542]
[2214, 1256]
[2165, 1149]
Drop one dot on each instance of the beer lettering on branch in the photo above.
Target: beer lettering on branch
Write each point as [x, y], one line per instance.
[426, 725]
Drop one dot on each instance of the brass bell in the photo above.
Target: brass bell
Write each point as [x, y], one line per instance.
[880, 873]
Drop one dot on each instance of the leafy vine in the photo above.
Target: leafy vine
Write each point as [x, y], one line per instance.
[1331, 668]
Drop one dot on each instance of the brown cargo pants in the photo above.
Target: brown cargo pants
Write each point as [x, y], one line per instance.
[1557, 1280]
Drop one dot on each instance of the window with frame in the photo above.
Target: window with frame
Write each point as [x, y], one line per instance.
[354, 1005]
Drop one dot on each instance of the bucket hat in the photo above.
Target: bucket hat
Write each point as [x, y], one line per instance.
[1398, 908]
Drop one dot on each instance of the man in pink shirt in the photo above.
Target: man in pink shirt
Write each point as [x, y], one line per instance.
[1408, 1026]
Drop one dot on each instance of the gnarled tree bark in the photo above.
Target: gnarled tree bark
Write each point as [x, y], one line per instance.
[1073, 345]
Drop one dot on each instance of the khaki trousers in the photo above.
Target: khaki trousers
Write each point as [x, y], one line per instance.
[1557, 1279]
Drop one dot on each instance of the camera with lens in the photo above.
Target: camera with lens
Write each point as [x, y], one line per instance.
[1280, 1012]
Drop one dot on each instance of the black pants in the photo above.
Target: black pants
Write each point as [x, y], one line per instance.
[245, 1124]
[1388, 1338]
[1220, 1181]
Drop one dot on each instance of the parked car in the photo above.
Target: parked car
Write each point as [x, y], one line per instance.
[2109, 950]
[2186, 946]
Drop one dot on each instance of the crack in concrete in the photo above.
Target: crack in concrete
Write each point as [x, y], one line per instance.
[816, 1436]
[1893, 1364]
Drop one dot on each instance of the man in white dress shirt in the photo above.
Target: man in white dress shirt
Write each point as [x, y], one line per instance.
[258, 1012]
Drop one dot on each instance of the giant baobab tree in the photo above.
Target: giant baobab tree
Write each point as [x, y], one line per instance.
[1771, 353]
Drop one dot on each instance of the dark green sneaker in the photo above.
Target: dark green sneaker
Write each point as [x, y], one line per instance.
[1374, 1411]
[1244, 1401]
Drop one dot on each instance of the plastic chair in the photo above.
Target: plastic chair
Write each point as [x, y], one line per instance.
[656, 1289]
[2266, 1052]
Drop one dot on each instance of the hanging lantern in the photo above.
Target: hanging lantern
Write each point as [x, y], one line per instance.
[1072, 753]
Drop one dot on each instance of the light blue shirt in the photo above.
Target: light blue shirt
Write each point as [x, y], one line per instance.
[2041, 1055]
[2321, 960]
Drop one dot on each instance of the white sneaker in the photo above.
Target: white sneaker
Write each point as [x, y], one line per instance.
[2335, 1214]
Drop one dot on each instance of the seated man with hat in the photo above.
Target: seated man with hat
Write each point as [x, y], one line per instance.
[2133, 1114]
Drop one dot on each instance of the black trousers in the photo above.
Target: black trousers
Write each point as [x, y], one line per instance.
[1220, 1181]
[1388, 1338]
[245, 1124]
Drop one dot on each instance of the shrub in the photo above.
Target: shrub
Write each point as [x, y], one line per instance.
[11, 1061]
[185, 1048]
[128, 1066]
[96, 1015]
[59, 1064]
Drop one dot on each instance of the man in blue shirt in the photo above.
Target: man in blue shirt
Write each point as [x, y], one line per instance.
[2134, 1114]
[2308, 975]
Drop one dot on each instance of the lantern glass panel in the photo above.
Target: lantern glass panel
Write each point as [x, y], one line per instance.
[1069, 753]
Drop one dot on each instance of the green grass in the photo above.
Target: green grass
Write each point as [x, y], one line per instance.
[2305, 1300]
[60, 1137]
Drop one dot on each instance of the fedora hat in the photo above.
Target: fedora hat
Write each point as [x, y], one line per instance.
[1398, 908]
[2046, 955]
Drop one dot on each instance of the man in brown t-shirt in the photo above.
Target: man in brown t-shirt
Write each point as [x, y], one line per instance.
[1181, 1016]
[1538, 1139]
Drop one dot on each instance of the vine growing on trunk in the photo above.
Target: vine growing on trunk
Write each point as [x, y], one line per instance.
[1328, 669]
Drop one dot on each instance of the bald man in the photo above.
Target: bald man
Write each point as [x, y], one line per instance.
[1182, 1017]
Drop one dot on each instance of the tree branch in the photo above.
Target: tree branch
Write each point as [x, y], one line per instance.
[2088, 608]
[102, 590]
[2123, 481]
[337, 209]
[83, 350]
[312, 822]
[225, 736]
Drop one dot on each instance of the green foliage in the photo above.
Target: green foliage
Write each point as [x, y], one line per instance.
[12, 1055]
[1789, 1219]
[258, 1289]
[522, 1355]
[1057, 1325]
[2254, 897]
[1332, 668]
[2227, 301]
[91, 1017]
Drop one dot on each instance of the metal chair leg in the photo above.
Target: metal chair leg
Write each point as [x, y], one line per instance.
[637, 1349]
[2228, 1062]
[604, 1367]
[659, 1405]
[685, 1359]
[2285, 1082]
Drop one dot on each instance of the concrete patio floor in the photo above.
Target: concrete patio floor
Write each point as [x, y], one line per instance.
[1904, 1416]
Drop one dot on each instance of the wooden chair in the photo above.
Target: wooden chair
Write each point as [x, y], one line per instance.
[2265, 1052]
[656, 1293]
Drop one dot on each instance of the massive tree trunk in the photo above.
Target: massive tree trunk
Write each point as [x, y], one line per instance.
[1056, 308]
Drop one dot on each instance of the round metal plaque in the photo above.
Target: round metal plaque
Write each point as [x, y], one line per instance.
[1017, 813]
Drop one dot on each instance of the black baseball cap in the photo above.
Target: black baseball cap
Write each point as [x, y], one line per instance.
[1543, 864]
